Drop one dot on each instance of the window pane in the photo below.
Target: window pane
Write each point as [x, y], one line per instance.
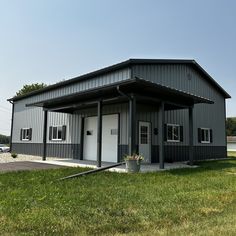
[175, 132]
[24, 134]
[54, 133]
[144, 135]
[27, 134]
[207, 136]
[144, 139]
[169, 132]
[144, 129]
[205, 133]
[203, 136]
[59, 132]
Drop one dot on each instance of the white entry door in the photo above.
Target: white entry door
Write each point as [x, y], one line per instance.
[90, 138]
[109, 138]
[145, 140]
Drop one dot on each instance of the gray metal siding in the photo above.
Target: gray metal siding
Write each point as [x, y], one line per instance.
[32, 117]
[205, 116]
[79, 86]
[185, 78]
[181, 77]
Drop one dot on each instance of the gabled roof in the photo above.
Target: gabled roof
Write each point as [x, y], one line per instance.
[126, 64]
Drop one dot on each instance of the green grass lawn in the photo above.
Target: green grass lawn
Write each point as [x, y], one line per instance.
[200, 201]
[231, 154]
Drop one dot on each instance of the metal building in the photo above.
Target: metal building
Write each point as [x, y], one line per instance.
[166, 110]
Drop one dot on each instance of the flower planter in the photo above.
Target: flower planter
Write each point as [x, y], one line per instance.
[133, 166]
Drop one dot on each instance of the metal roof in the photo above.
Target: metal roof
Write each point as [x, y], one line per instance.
[124, 64]
[136, 86]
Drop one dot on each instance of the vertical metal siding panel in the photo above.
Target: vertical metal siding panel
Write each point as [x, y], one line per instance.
[211, 116]
[82, 85]
[25, 117]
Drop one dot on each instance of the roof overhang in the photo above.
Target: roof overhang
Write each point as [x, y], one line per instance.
[142, 89]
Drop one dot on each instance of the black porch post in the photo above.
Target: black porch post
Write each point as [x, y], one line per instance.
[132, 126]
[12, 120]
[45, 135]
[99, 134]
[161, 135]
[190, 116]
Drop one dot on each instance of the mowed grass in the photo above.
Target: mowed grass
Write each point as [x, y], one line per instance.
[200, 201]
[231, 154]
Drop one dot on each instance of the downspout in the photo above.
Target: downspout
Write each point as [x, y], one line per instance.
[122, 93]
[12, 118]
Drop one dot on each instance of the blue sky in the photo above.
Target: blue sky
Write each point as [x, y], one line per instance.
[48, 41]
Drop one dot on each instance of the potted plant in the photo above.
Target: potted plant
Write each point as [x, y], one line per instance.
[133, 162]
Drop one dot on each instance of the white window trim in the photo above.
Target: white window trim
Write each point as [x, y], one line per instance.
[25, 139]
[170, 140]
[57, 126]
[209, 134]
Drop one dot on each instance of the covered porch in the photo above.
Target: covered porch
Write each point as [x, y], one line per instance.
[133, 91]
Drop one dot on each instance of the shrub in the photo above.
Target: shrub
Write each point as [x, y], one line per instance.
[14, 155]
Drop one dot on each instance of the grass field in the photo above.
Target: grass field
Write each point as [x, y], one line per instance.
[200, 201]
[231, 154]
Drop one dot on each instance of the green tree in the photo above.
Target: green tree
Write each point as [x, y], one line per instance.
[4, 139]
[27, 88]
[231, 126]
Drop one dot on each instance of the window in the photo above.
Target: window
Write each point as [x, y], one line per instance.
[26, 134]
[144, 134]
[57, 133]
[204, 135]
[173, 133]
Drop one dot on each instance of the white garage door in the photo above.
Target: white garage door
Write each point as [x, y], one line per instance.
[109, 138]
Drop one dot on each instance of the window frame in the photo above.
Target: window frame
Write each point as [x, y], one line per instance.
[209, 135]
[56, 139]
[172, 126]
[23, 132]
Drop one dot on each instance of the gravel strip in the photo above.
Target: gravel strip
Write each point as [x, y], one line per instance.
[6, 158]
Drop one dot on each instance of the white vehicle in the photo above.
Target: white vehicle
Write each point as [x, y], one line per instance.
[4, 148]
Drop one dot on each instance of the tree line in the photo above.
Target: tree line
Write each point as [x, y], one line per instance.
[231, 126]
[4, 139]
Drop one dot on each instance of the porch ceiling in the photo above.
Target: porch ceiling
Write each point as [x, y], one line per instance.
[144, 90]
